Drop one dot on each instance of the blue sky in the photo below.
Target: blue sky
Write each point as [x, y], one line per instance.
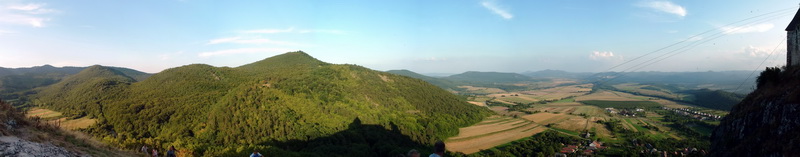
[423, 36]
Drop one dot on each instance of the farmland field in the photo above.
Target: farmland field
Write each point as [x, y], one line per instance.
[621, 104]
[56, 118]
[493, 131]
[570, 109]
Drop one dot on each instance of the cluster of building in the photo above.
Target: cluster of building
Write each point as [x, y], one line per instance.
[694, 114]
[624, 112]
[586, 148]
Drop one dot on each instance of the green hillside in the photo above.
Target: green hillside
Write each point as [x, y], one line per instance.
[286, 103]
[442, 83]
[16, 83]
[83, 94]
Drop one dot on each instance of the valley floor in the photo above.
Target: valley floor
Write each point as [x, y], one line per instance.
[559, 109]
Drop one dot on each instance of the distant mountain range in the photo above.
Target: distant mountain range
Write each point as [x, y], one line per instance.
[15, 82]
[722, 80]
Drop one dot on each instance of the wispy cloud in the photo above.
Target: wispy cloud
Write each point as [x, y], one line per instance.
[243, 51]
[5, 32]
[250, 40]
[293, 30]
[754, 51]
[32, 8]
[496, 9]
[33, 14]
[604, 55]
[747, 29]
[664, 6]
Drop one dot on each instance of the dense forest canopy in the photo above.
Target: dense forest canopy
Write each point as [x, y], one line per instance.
[267, 104]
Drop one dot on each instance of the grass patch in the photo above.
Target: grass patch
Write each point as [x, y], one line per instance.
[705, 131]
[565, 100]
[566, 131]
[635, 125]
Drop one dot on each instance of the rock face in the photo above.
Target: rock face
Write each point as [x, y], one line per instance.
[14, 147]
[766, 122]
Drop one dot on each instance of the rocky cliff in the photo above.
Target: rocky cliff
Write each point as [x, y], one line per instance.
[766, 122]
[13, 146]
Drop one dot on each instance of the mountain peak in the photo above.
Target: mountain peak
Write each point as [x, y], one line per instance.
[101, 71]
[289, 59]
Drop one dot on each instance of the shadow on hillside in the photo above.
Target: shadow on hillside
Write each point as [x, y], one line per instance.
[358, 140]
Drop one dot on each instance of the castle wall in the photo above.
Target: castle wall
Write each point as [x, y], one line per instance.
[793, 48]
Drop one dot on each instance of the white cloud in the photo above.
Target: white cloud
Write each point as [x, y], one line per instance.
[32, 14]
[492, 6]
[753, 51]
[747, 29]
[244, 51]
[32, 8]
[604, 55]
[664, 6]
[251, 40]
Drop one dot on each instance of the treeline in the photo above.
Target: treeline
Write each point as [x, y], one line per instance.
[271, 104]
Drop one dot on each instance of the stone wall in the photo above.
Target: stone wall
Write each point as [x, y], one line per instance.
[793, 47]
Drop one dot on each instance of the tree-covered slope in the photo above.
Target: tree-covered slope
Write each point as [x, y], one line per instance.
[83, 94]
[715, 99]
[15, 83]
[271, 104]
[442, 83]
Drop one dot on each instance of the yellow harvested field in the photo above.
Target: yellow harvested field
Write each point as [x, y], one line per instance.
[575, 123]
[42, 113]
[546, 118]
[482, 89]
[62, 122]
[492, 132]
[477, 103]
[499, 109]
[607, 95]
[557, 93]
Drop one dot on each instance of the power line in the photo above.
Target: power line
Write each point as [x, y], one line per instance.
[697, 35]
[759, 65]
[692, 45]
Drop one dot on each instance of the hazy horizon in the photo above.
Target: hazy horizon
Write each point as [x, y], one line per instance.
[421, 36]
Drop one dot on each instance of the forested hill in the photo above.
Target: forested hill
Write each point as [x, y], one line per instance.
[15, 83]
[286, 103]
[442, 83]
[84, 91]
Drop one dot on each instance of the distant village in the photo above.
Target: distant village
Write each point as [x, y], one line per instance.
[585, 148]
[694, 114]
[626, 112]
[681, 111]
